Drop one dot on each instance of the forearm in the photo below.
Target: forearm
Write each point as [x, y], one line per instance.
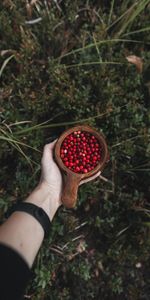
[22, 231]
[42, 198]
[24, 234]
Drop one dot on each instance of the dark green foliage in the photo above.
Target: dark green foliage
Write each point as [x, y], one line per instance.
[70, 67]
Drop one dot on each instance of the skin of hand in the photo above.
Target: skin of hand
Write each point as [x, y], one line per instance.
[49, 190]
[20, 228]
[51, 175]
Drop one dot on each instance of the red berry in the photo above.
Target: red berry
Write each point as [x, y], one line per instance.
[80, 151]
[95, 158]
[77, 169]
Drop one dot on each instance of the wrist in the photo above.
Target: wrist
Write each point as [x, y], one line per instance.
[42, 197]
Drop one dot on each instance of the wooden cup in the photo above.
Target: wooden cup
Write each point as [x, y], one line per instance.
[72, 179]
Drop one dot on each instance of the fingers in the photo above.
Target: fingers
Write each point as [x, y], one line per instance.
[90, 178]
[48, 155]
[48, 150]
[52, 144]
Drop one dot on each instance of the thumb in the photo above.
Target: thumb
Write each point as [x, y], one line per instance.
[48, 151]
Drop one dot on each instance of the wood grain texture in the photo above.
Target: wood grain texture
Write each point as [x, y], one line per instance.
[72, 179]
[70, 191]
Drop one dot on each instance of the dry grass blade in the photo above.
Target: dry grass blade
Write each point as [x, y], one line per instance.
[6, 52]
[55, 125]
[6, 61]
[111, 11]
[19, 123]
[137, 31]
[127, 18]
[17, 147]
[9, 138]
[93, 63]
[130, 139]
[91, 45]
[122, 231]
[122, 16]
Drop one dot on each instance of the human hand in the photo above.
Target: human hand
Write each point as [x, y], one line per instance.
[48, 192]
[51, 177]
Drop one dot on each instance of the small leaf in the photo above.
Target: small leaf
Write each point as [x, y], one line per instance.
[137, 61]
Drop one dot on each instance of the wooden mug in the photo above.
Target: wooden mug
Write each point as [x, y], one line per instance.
[72, 179]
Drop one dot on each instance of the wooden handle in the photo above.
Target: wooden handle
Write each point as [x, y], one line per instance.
[69, 194]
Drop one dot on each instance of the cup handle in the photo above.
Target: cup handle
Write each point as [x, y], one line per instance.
[70, 191]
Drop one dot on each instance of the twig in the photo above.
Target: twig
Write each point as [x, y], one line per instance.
[130, 139]
[7, 126]
[78, 237]
[81, 225]
[56, 250]
[57, 5]
[73, 240]
[19, 123]
[32, 22]
[103, 178]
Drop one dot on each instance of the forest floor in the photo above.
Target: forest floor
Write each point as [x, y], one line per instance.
[81, 62]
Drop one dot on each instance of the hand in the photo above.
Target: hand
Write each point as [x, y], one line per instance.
[51, 174]
[48, 193]
[51, 177]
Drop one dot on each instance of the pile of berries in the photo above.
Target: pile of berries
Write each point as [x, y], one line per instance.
[80, 151]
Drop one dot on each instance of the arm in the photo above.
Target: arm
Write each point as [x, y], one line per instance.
[21, 231]
[24, 234]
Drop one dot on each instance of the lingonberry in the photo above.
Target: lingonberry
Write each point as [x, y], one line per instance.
[80, 151]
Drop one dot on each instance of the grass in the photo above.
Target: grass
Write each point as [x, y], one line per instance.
[6, 61]
[64, 63]
[98, 43]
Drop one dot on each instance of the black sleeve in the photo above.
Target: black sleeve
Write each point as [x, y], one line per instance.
[14, 274]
